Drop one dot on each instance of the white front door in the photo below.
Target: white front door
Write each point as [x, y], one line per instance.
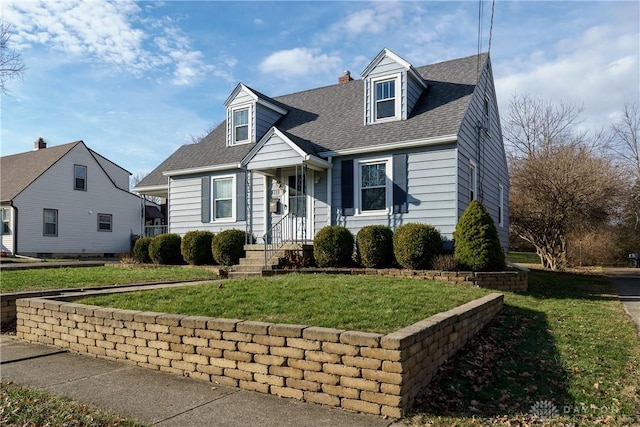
[298, 205]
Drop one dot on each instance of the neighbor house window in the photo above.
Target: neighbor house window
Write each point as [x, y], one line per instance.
[241, 125]
[500, 205]
[472, 181]
[223, 198]
[50, 223]
[80, 177]
[374, 185]
[105, 222]
[6, 220]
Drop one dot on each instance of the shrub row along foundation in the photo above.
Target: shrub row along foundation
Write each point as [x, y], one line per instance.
[364, 372]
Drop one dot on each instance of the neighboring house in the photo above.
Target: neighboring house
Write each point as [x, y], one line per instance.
[66, 200]
[401, 145]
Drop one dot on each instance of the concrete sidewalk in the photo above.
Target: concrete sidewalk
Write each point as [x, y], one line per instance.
[159, 398]
[627, 284]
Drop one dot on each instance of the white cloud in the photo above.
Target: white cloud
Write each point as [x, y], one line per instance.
[113, 34]
[299, 61]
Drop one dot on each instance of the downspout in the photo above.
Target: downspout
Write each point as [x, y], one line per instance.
[329, 190]
[15, 227]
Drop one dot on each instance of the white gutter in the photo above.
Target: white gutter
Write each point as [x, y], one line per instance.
[211, 168]
[445, 139]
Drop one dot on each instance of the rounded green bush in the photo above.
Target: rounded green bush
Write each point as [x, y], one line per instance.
[141, 250]
[228, 246]
[333, 246]
[375, 246]
[165, 249]
[196, 247]
[475, 241]
[415, 245]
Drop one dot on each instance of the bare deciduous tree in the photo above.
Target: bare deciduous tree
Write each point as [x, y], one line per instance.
[626, 138]
[11, 65]
[135, 179]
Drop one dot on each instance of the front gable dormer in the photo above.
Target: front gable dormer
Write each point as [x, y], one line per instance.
[391, 88]
[249, 115]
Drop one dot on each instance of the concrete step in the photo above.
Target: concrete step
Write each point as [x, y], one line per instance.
[247, 268]
[244, 274]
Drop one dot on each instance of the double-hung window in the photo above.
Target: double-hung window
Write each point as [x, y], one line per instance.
[241, 125]
[385, 99]
[80, 177]
[105, 222]
[223, 205]
[50, 221]
[6, 220]
[374, 185]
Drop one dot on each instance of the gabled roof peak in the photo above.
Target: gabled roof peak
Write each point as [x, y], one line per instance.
[396, 58]
[256, 96]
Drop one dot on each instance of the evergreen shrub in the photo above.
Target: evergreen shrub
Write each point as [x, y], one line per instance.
[196, 247]
[375, 246]
[141, 250]
[228, 246]
[415, 245]
[165, 249]
[333, 247]
[476, 242]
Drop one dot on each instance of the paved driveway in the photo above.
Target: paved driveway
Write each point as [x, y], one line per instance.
[627, 284]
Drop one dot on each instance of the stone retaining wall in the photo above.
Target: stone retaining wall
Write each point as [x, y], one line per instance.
[364, 372]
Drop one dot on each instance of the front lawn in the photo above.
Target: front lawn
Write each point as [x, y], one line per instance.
[363, 303]
[86, 277]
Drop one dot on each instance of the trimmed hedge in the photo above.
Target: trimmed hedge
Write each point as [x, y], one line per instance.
[415, 245]
[375, 246]
[141, 250]
[196, 247]
[228, 246]
[476, 241]
[333, 247]
[165, 249]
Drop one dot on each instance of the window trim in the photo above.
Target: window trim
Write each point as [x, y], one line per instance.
[214, 218]
[232, 130]
[473, 181]
[397, 98]
[6, 222]
[102, 222]
[44, 222]
[388, 161]
[75, 177]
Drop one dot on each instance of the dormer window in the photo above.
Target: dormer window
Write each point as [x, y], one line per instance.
[385, 103]
[241, 126]
[385, 99]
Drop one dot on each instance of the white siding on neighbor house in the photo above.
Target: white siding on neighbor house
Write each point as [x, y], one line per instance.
[185, 205]
[431, 192]
[8, 238]
[275, 153]
[486, 150]
[118, 175]
[77, 211]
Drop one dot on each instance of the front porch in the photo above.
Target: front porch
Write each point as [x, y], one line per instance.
[258, 260]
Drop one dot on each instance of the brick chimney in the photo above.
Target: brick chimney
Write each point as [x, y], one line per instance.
[345, 78]
[40, 144]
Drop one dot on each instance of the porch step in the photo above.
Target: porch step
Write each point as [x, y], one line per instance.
[244, 274]
[253, 263]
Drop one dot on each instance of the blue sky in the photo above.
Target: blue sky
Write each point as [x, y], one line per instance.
[136, 80]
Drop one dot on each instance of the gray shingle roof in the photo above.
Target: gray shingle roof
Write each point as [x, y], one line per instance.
[331, 118]
[18, 171]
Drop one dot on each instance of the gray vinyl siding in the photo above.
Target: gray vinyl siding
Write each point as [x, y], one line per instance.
[414, 90]
[320, 207]
[386, 68]
[274, 153]
[265, 118]
[486, 150]
[431, 197]
[77, 211]
[242, 99]
[185, 205]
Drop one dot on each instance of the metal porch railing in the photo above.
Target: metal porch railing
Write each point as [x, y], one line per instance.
[290, 229]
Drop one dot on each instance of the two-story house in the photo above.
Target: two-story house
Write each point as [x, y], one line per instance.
[66, 200]
[399, 145]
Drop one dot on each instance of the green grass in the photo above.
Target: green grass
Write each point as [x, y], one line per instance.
[24, 406]
[566, 341]
[85, 277]
[375, 304]
[523, 257]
